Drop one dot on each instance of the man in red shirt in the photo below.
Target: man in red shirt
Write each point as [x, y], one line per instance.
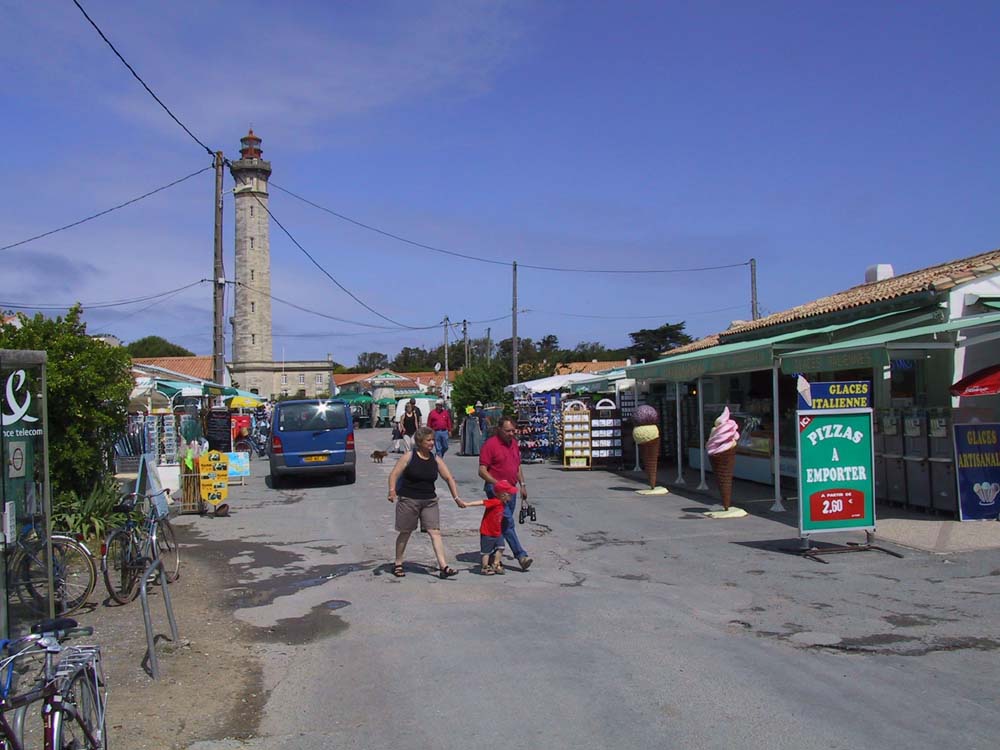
[500, 459]
[439, 420]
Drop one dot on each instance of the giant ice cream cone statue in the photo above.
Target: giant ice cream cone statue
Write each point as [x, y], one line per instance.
[646, 434]
[721, 449]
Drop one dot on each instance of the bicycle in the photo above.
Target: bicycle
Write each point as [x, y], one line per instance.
[128, 550]
[71, 689]
[74, 574]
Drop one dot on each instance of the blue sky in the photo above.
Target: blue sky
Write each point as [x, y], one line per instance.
[817, 137]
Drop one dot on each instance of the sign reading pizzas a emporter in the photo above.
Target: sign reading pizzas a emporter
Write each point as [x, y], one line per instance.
[836, 483]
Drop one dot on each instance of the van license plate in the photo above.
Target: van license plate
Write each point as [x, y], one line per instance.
[314, 459]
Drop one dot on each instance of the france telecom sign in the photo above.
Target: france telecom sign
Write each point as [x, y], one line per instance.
[836, 483]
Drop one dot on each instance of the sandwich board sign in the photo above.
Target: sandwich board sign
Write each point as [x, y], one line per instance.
[836, 483]
[214, 469]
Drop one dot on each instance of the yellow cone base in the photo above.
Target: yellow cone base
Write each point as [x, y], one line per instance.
[658, 490]
[727, 513]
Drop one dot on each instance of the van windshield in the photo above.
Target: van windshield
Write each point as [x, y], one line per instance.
[312, 417]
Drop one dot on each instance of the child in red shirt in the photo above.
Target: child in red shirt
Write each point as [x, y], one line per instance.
[490, 534]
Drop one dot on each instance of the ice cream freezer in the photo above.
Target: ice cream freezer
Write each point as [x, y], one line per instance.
[944, 494]
[894, 468]
[916, 451]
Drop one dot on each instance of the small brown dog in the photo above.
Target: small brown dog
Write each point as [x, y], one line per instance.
[377, 456]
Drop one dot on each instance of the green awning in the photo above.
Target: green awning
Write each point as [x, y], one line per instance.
[600, 383]
[873, 351]
[744, 356]
[354, 398]
[993, 302]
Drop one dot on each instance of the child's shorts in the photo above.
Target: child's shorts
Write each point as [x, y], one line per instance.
[490, 544]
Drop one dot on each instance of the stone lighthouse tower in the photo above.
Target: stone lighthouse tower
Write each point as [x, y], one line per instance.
[253, 358]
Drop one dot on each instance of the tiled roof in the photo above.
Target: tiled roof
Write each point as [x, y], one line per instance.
[195, 367]
[937, 278]
[426, 378]
[693, 346]
[568, 368]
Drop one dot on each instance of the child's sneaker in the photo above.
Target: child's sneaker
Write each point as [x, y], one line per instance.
[487, 570]
[498, 569]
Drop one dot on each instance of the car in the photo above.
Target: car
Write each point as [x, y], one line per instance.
[312, 437]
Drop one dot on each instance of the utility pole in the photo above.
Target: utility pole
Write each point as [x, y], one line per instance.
[219, 283]
[444, 385]
[489, 346]
[465, 335]
[753, 289]
[513, 327]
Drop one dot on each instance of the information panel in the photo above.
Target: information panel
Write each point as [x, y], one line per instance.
[977, 466]
[214, 469]
[836, 483]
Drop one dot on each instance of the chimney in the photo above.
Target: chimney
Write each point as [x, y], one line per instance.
[878, 272]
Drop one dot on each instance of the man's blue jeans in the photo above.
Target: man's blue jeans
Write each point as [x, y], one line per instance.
[509, 526]
[440, 442]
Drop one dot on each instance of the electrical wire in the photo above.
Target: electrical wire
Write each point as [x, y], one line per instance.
[106, 211]
[501, 262]
[377, 326]
[640, 317]
[326, 273]
[139, 79]
[100, 305]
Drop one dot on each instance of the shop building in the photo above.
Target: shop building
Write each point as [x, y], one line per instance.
[911, 336]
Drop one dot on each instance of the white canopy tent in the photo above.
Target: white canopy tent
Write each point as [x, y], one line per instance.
[552, 383]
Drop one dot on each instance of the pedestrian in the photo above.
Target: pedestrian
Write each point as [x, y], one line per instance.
[409, 423]
[439, 420]
[397, 437]
[484, 421]
[491, 528]
[416, 473]
[500, 459]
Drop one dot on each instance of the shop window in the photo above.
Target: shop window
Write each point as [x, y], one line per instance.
[904, 379]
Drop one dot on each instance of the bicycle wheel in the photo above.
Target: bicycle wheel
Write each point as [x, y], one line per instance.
[121, 571]
[73, 575]
[167, 549]
[81, 727]
[243, 446]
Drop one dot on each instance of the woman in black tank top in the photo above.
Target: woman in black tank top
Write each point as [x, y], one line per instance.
[411, 487]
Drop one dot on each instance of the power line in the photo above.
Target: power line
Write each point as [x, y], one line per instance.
[322, 314]
[106, 211]
[638, 317]
[326, 273]
[139, 79]
[493, 261]
[101, 305]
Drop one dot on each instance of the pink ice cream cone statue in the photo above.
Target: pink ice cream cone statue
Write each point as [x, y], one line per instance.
[721, 449]
[646, 434]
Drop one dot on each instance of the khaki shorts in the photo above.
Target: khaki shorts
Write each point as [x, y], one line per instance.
[409, 510]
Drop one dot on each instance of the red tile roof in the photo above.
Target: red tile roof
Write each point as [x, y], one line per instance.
[568, 368]
[195, 367]
[937, 278]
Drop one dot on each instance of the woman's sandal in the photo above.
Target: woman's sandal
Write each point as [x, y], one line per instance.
[397, 570]
[447, 572]
[488, 571]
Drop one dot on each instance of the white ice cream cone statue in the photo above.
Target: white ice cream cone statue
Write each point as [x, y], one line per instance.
[646, 434]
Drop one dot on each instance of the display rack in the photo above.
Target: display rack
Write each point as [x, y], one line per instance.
[529, 426]
[626, 403]
[577, 450]
[606, 434]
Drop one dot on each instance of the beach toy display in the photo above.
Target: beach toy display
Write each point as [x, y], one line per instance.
[646, 434]
[721, 449]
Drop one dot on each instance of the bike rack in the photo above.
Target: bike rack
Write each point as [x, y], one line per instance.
[154, 665]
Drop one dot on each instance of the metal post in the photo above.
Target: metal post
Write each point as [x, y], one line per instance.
[635, 392]
[680, 449]
[703, 485]
[47, 493]
[465, 335]
[444, 385]
[489, 346]
[754, 311]
[513, 328]
[776, 507]
[218, 283]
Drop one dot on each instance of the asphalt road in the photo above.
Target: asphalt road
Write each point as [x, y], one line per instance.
[642, 624]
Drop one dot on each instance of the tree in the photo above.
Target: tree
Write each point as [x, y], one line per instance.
[649, 343]
[88, 385]
[483, 381]
[155, 346]
[368, 361]
[412, 359]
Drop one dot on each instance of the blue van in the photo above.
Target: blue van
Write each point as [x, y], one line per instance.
[312, 437]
